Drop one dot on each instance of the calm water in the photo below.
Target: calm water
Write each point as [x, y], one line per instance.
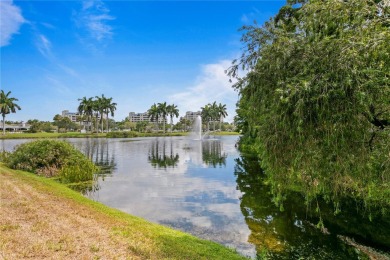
[208, 189]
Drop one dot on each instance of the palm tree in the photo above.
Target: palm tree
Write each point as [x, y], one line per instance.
[222, 113]
[97, 107]
[110, 108]
[100, 106]
[206, 115]
[153, 113]
[163, 111]
[86, 108]
[172, 111]
[214, 113]
[7, 105]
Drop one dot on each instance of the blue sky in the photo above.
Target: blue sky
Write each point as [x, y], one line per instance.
[137, 52]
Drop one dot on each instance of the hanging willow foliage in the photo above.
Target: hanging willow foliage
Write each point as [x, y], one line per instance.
[315, 102]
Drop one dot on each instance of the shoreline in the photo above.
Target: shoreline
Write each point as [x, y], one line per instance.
[124, 134]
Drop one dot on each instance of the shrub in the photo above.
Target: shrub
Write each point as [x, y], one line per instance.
[127, 134]
[52, 158]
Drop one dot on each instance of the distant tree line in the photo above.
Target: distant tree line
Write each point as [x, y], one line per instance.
[93, 116]
[97, 108]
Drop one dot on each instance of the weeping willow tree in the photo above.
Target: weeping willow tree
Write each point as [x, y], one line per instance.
[315, 101]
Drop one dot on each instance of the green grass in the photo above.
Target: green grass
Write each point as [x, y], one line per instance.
[100, 135]
[155, 241]
[50, 135]
[226, 133]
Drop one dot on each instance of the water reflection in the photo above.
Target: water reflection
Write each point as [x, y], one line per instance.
[162, 155]
[212, 153]
[98, 151]
[292, 233]
[158, 155]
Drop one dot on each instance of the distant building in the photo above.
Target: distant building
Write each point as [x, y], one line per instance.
[21, 127]
[71, 115]
[191, 116]
[139, 117]
[74, 115]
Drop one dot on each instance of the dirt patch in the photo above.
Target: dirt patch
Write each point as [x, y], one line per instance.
[39, 225]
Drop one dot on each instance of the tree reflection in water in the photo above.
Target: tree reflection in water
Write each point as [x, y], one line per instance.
[293, 234]
[212, 153]
[159, 157]
[97, 150]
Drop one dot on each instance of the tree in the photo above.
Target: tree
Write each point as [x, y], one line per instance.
[163, 112]
[109, 108]
[100, 104]
[7, 106]
[86, 108]
[315, 101]
[172, 111]
[57, 119]
[222, 113]
[141, 126]
[206, 115]
[154, 114]
[214, 112]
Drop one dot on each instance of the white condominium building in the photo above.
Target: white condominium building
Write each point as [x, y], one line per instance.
[139, 117]
[191, 116]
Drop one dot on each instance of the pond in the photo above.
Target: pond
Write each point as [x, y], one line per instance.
[207, 188]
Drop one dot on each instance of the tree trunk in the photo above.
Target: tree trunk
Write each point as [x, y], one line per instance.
[107, 121]
[3, 124]
[101, 120]
[97, 123]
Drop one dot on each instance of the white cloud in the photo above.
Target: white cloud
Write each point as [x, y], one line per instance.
[44, 46]
[57, 85]
[10, 21]
[211, 85]
[93, 17]
[245, 19]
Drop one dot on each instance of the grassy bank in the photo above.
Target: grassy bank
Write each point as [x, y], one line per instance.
[83, 228]
[129, 134]
[50, 135]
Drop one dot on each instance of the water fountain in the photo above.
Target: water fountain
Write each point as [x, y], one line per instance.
[196, 133]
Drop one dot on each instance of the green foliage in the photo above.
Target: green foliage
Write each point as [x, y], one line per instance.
[315, 103]
[7, 106]
[131, 134]
[213, 113]
[124, 134]
[37, 126]
[52, 158]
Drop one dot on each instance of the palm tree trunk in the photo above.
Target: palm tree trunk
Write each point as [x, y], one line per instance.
[107, 121]
[101, 120]
[3, 124]
[97, 123]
